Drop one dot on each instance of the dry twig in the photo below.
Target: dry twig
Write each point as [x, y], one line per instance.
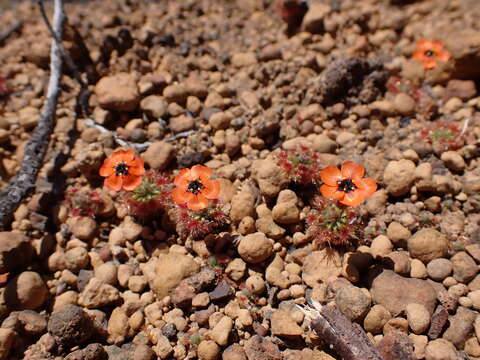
[82, 98]
[137, 146]
[24, 182]
[348, 339]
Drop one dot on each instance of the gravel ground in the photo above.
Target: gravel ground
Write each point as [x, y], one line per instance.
[240, 86]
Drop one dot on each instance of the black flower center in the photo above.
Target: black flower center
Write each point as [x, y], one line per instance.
[121, 169]
[346, 185]
[195, 186]
[429, 53]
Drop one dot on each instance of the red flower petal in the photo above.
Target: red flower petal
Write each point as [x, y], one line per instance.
[436, 45]
[351, 170]
[183, 177]
[429, 64]
[331, 192]
[331, 175]
[129, 155]
[3, 278]
[212, 189]
[119, 155]
[353, 198]
[108, 167]
[136, 167]
[180, 196]
[198, 202]
[131, 182]
[113, 182]
[201, 172]
[424, 44]
[367, 186]
[419, 55]
[444, 56]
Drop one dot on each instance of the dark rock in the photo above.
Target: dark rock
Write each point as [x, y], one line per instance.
[94, 351]
[404, 122]
[33, 323]
[437, 323]
[259, 329]
[396, 345]
[16, 251]
[234, 352]
[203, 279]
[207, 112]
[202, 316]
[183, 294]
[221, 292]
[83, 278]
[164, 40]
[192, 158]
[352, 80]
[39, 221]
[70, 325]
[447, 300]
[138, 135]
[238, 123]
[125, 40]
[266, 124]
[170, 331]
[402, 2]
[293, 12]
[270, 52]
[261, 348]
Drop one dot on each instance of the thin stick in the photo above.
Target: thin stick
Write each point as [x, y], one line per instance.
[181, 135]
[137, 146]
[83, 96]
[347, 338]
[465, 126]
[127, 144]
[66, 57]
[24, 182]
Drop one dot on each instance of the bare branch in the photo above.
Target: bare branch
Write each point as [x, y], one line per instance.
[465, 126]
[181, 135]
[66, 57]
[24, 182]
[137, 146]
[128, 144]
[348, 339]
[82, 98]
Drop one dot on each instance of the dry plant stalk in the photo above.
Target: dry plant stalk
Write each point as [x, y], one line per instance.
[348, 339]
[24, 181]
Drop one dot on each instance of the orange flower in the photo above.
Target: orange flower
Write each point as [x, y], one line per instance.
[3, 278]
[194, 187]
[429, 51]
[123, 170]
[347, 185]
